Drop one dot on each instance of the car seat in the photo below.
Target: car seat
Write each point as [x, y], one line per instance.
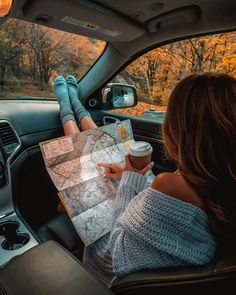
[220, 274]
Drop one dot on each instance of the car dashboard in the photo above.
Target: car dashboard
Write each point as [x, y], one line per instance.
[30, 117]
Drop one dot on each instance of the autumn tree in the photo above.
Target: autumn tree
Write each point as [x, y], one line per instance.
[81, 54]
[45, 54]
[12, 38]
[203, 54]
[144, 73]
[155, 73]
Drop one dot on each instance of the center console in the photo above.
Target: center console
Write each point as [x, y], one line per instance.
[48, 269]
[15, 237]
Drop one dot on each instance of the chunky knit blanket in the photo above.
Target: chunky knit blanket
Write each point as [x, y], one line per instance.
[149, 230]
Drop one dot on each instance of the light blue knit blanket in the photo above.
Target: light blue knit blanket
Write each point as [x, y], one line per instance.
[150, 230]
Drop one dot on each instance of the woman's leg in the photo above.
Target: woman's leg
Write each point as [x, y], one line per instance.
[70, 127]
[66, 112]
[87, 123]
[82, 116]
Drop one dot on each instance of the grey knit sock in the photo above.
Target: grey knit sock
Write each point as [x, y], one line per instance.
[79, 110]
[61, 92]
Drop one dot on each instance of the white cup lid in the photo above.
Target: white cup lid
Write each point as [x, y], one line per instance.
[140, 149]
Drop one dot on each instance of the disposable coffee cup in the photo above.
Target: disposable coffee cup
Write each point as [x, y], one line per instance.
[140, 154]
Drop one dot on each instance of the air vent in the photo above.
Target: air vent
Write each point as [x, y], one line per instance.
[8, 137]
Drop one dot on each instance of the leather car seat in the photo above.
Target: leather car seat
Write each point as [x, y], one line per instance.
[220, 274]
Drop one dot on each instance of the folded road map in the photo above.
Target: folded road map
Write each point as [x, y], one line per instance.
[88, 196]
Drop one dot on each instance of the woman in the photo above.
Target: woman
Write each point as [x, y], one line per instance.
[182, 217]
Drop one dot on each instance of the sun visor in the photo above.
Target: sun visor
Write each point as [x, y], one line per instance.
[82, 17]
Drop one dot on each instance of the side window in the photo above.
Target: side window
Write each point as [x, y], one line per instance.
[155, 73]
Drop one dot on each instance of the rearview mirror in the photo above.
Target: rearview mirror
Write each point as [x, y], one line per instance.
[119, 95]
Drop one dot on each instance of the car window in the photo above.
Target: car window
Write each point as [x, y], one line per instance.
[32, 55]
[155, 73]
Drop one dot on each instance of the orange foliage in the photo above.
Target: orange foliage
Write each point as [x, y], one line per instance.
[83, 50]
[155, 73]
[139, 109]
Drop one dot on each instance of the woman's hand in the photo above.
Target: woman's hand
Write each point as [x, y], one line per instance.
[115, 170]
[128, 166]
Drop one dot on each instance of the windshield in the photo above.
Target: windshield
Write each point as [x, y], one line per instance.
[32, 55]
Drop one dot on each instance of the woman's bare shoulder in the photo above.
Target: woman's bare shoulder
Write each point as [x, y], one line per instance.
[163, 182]
[174, 185]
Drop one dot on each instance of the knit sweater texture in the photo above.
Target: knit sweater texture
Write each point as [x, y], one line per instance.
[149, 230]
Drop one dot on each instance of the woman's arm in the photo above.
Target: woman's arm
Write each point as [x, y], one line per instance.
[130, 250]
[132, 182]
[130, 185]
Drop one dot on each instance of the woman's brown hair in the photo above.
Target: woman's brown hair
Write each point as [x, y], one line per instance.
[199, 133]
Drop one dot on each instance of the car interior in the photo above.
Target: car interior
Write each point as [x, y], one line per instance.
[28, 198]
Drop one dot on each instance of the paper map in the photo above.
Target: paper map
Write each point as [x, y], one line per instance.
[71, 161]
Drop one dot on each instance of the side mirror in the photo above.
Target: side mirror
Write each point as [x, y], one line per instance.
[119, 95]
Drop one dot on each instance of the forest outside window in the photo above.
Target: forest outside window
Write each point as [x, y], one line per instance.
[32, 55]
[155, 73]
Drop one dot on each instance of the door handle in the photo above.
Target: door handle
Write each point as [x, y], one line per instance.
[109, 120]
